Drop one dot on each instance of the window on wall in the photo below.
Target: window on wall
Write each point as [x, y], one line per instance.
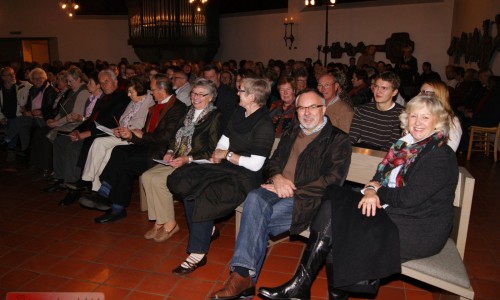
[36, 50]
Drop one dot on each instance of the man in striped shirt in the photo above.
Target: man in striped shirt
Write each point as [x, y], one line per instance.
[376, 125]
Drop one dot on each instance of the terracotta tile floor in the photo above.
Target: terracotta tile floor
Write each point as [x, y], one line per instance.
[44, 247]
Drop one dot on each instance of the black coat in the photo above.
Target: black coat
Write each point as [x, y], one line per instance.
[49, 95]
[158, 140]
[416, 223]
[218, 189]
[423, 209]
[106, 111]
[226, 101]
[325, 161]
[205, 135]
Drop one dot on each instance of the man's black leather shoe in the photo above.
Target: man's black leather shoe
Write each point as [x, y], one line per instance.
[111, 216]
[79, 185]
[57, 186]
[71, 197]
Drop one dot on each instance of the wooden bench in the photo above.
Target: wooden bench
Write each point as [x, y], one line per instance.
[445, 270]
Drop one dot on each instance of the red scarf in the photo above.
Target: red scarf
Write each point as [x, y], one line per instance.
[155, 117]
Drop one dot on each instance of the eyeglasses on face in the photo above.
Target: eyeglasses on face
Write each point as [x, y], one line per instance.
[426, 93]
[242, 91]
[325, 85]
[197, 95]
[310, 107]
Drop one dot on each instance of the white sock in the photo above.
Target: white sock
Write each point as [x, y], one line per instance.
[213, 230]
[193, 258]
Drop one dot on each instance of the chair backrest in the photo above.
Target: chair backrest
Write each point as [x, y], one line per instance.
[463, 204]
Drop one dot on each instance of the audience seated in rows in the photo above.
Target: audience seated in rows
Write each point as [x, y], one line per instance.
[69, 106]
[70, 151]
[129, 161]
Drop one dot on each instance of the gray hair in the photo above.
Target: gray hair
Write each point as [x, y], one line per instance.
[109, 73]
[318, 93]
[258, 87]
[208, 85]
[38, 71]
[164, 83]
[76, 73]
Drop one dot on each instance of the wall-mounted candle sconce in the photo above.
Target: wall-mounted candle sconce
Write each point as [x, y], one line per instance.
[290, 37]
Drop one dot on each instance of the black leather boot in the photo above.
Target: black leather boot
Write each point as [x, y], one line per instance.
[299, 287]
[333, 293]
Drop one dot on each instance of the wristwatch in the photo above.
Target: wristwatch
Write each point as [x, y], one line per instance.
[228, 155]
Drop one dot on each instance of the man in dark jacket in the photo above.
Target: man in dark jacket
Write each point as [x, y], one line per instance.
[226, 100]
[310, 156]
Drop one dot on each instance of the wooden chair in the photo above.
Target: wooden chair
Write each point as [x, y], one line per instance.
[480, 140]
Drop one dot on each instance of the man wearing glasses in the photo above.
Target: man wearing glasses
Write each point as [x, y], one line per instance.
[337, 109]
[310, 156]
[376, 125]
[182, 87]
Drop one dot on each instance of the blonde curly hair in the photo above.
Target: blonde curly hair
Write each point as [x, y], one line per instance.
[434, 106]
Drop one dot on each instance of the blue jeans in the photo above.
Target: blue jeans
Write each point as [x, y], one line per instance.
[264, 214]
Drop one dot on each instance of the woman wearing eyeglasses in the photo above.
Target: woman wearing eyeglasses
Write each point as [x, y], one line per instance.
[195, 139]
[213, 191]
[440, 90]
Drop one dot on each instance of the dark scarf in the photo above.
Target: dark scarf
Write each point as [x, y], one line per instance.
[403, 154]
[184, 136]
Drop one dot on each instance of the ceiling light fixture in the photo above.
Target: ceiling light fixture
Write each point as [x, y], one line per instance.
[70, 7]
[199, 4]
